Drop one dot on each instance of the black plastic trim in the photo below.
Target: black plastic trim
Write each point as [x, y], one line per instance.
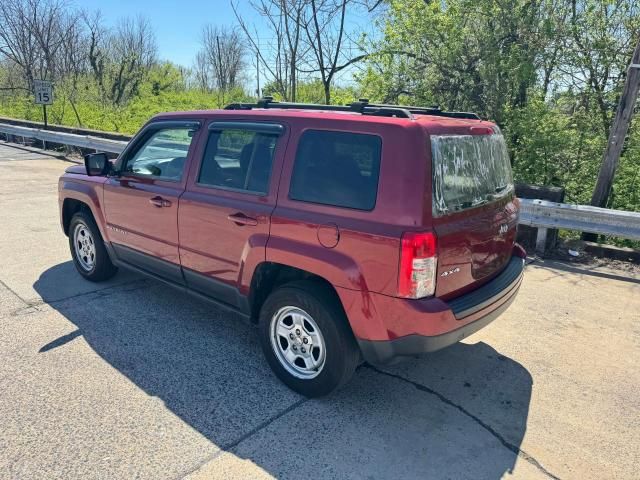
[148, 263]
[489, 293]
[271, 128]
[202, 286]
[387, 351]
[183, 289]
[216, 289]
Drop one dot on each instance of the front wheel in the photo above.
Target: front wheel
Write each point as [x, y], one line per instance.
[87, 249]
[306, 339]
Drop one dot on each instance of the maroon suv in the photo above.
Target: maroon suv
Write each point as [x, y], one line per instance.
[345, 232]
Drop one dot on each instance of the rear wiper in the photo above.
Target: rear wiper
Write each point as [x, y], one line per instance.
[463, 205]
[498, 190]
[460, 206]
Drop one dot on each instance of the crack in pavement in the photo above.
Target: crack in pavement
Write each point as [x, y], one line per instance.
[508, 445]
[14, 293]
[226, 448]
[31, 306]
[144, 283]
[107, 291]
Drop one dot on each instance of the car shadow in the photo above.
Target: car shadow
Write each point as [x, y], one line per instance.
[459, 413]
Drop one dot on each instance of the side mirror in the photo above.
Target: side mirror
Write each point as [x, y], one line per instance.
[96, 164]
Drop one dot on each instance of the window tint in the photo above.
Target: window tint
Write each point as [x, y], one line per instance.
[162, 155]
[337, 168]
[238, 159]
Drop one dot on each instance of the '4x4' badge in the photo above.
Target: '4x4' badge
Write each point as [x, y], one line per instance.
[450, 272]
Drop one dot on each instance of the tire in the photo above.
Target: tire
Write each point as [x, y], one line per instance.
[87, 249]
[310, 309]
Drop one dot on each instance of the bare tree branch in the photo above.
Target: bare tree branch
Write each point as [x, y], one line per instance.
[223, 52]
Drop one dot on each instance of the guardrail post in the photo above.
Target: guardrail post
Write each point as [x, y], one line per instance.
[527, 235]
[541, 240]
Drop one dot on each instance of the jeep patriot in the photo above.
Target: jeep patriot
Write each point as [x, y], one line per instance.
[346, 233]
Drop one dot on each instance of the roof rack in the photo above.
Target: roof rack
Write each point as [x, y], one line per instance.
[362, 106]
[434, 111]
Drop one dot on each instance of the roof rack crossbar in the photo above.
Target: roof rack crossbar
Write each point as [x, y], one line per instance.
[239, 106]
[362, 106]
[358, 107]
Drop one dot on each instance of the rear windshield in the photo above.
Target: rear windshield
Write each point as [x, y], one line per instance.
[468, 170]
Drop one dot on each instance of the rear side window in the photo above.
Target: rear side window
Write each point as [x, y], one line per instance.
[337, 168]
[239, 160]
[469, 170]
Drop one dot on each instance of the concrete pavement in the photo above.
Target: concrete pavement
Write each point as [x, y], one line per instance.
[132, 379]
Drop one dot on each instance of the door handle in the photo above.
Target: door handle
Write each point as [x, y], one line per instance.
[241, 219]
[159, 202]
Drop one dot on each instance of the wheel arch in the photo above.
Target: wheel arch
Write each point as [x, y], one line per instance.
[70, 207]
[77, 196]
[268, 276]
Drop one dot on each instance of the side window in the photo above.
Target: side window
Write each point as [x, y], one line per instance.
[162, 155]
[238, 159]
[337, 168]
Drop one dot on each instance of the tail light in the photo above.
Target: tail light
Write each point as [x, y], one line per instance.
[418, 262]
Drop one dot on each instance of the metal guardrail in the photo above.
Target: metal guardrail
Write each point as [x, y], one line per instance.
[66, 129]
[82, 141]
[541, 214]
[584, 218]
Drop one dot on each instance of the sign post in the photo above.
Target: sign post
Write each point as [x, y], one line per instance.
[43, 91]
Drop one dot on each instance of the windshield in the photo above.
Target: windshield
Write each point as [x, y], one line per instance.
[468, 170]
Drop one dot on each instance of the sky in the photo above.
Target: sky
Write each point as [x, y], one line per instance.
[177, 24]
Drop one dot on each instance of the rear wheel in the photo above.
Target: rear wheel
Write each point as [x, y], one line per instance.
[306, 338]
[87, 249]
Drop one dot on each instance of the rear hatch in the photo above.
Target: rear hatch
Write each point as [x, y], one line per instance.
[475, 212]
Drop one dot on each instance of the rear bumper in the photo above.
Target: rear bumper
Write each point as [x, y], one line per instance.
[413, 327]
[381, 352]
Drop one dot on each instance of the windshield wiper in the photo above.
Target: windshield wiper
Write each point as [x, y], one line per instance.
[468, 204]
[499, 190]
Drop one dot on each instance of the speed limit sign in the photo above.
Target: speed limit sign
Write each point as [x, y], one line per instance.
[43, 91]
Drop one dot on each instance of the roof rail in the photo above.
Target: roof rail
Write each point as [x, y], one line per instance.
[432, 111]
[362, 106]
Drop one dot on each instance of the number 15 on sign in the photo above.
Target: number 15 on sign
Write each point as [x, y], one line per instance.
[43, 91]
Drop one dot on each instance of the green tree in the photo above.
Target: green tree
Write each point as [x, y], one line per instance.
[549, 72]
